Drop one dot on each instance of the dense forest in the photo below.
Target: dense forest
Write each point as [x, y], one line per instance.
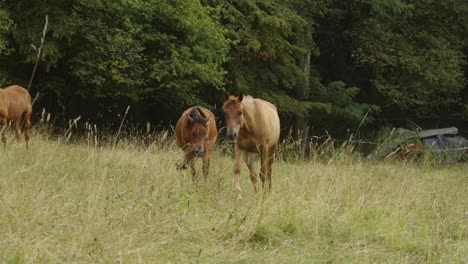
[329, 64]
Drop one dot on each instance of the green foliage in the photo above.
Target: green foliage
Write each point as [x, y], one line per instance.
[391, 8]
[164, 51]
[108, 53]
[326, 61]
[412, 53]
[5, 24]
[29, 17]
[290, 105]
[112, 53]
[345, 112]
[269, 43]
[417, 68]
[266, 45]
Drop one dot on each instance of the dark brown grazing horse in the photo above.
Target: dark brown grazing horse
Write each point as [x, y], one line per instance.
[15, 102]
[196, 134]
[255, 127]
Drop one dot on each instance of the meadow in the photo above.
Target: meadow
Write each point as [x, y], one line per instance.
[78, 201]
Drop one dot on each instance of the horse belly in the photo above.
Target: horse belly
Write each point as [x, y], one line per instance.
[16, 107]
[182, 140]
[180, 135]
[248, 144]
[3, 105]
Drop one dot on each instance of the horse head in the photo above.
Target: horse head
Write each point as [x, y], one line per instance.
[233, 113]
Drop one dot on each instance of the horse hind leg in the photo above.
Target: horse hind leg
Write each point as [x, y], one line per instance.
[253, 176]
[4, 126]
[271, 158]
[27, 126]
[207, 157]
[263, 165]
[18, 129]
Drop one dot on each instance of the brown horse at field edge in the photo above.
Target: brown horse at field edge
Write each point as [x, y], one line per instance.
[254, 125]
[196, 134]
[15, 101]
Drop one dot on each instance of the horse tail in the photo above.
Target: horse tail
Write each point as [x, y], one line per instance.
[198, 115]
[201, 112]
[25, 117]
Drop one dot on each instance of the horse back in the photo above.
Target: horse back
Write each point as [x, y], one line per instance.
[211, 124]
[272, 121]
[183, 132]
[265, 125]
[19, 98]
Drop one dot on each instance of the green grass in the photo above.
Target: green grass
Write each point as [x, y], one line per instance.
[79, 203]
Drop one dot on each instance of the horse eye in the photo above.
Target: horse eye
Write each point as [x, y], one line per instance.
[239, 113]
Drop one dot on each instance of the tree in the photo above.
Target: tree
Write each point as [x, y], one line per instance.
[407, 55]
[321, 61]
[5, 24]
[265, 51]
[158, 52]
[345, 113]
[107, 54]
[309, 10]
[272, 54]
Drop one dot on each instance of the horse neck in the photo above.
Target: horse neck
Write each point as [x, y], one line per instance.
[248, 116]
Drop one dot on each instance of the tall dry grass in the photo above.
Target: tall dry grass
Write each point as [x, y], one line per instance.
[89, 202]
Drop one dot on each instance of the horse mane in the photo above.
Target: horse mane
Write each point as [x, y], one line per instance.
[248, 101]
[198, 115]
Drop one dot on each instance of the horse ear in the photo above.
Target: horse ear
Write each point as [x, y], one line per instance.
[240, 97]
[226, 95]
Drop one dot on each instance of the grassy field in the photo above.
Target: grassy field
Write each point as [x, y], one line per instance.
[80, 203]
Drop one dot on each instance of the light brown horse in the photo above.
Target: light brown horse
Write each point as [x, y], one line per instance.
[15, 102]
[255, 127]
[196, 134]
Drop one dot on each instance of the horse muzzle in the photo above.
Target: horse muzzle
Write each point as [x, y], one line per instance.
[198, 152]
[232, 136]
[232, 133]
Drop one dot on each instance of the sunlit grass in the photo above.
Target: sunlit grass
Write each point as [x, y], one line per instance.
[77, 202]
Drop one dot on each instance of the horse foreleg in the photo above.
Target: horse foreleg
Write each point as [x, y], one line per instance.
[271, 158]
[18, 129]
[190, 161]
[237, 164]
[27, 126]
[206, 163]
[253, 176]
